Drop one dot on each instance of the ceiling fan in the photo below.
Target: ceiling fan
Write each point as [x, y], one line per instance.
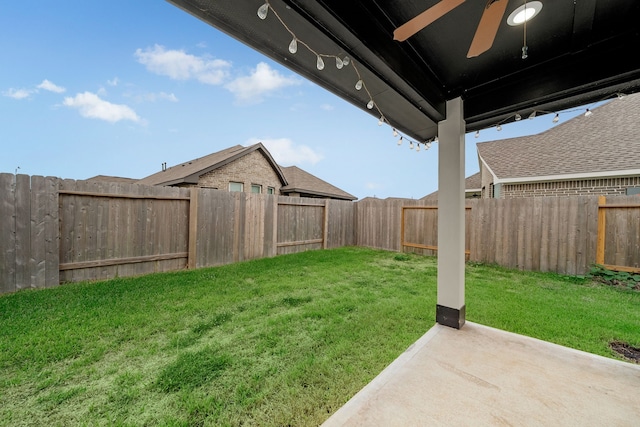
[485, 33]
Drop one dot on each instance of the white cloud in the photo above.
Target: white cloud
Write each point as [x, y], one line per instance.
[91, 106]
[153, 97]
[373, 186]
[18, 93]
[286, 153]
[327, 107]
[263, 80]
[179, 65]
[113, 82]
[50, 86]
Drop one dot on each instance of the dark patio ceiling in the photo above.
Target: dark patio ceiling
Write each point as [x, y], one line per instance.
[579, 51]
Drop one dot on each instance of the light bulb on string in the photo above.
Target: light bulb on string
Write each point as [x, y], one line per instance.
[427, 145]
[381, 121]
[477, 133]
[320, 63]
[400, 141]
[588, 113]
[262, 11]
[417, 147]
[556, 119]
[518, 117]
[370, 104]
[395, 133]
[346, 60]
[499, 128]
[532, 115]
[293, 46]
[339, 63]
[410, 145]
[359, 84]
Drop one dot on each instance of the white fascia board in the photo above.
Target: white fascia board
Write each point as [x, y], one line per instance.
[568, 177]
[495, 178]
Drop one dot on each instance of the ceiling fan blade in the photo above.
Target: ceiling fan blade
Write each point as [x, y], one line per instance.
[416, 24]
[488, 27]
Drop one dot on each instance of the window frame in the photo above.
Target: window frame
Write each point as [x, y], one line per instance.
[241, 184]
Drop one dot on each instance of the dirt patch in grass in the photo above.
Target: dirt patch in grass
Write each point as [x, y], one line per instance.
[625, 350]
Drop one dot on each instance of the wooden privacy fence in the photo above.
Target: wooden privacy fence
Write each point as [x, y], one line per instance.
[419, 228]
[538, 234]
[622, 233]
[56, 230]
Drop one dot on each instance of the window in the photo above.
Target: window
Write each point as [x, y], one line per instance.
[271, 190]
[256, 188]
[236, 186]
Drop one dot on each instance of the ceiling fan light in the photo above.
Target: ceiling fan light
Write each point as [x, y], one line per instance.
[526, 12]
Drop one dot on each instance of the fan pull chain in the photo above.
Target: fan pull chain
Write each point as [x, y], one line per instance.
[525, 48]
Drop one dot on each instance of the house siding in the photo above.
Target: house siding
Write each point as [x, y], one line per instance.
[253, 168]
[587, 187]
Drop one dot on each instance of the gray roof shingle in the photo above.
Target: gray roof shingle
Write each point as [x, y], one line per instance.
[301, 181]
[471, 183]
[293, 178]
[189, 172]
[605, 142]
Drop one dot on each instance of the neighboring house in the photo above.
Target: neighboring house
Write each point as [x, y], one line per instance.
[472, 188]
[247, 169]
[598, 154]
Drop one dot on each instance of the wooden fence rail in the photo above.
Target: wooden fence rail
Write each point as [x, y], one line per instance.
[54, 230]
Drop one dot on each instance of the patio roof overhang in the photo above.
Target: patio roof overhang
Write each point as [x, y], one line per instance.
[578, 52]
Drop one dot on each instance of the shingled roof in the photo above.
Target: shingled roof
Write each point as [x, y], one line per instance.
[294, 179]
[302, 182]
[472, 183]
[604, 144]
[189, 172]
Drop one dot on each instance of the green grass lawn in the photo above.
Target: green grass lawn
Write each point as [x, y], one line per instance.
[279, 341]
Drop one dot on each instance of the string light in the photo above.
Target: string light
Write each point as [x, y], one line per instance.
[341, 62]
[293, 46]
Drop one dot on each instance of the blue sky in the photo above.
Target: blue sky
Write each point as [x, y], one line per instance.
[119, 87]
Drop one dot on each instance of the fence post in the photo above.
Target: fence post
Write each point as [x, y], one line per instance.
[325, 224]
[602, 220]
[192, 260]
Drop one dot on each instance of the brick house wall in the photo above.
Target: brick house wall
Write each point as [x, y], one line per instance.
[587, 187]
[253, 168]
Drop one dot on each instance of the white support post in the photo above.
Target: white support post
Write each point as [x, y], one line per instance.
[450, 309]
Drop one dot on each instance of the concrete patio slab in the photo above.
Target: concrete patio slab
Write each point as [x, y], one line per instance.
[481, 376]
